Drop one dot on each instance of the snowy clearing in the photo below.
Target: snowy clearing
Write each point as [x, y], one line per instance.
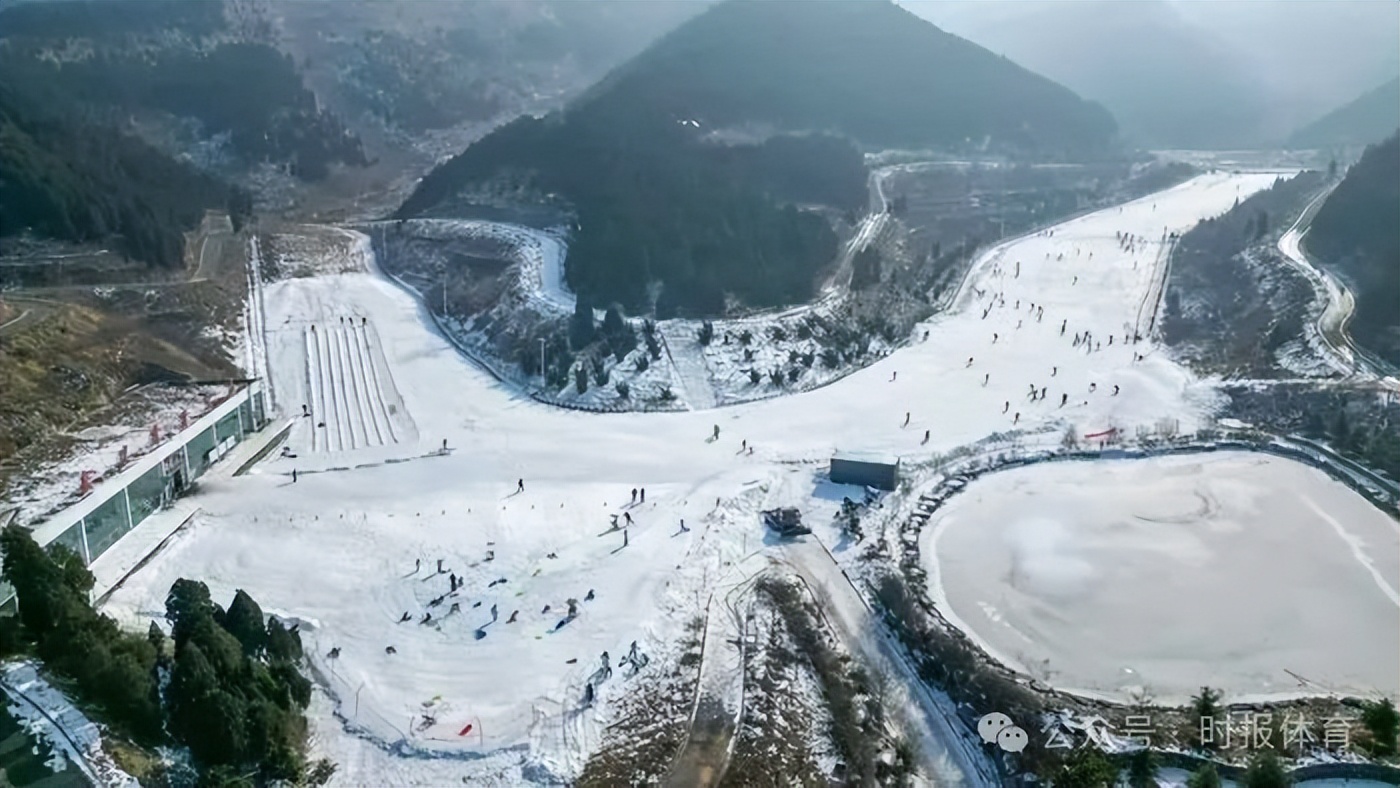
[1237, 570]
[337, 549]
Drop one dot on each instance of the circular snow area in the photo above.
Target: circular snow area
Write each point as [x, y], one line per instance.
[1243, 571]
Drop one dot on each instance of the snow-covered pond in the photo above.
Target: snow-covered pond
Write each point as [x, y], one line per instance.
[1249, 572]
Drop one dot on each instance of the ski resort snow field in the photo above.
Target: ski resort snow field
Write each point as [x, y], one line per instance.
[352, 545]
[1247, 572]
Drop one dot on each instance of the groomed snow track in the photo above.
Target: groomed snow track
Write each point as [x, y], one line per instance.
[351, 390]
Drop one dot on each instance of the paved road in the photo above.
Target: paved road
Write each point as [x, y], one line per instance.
[1338, 305]
[947, 757]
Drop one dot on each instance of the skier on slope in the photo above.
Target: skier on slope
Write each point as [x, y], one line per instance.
[520, 485]
[1115, 389]
[716, 435]
[925, 436]
[1063, 399]
[634, 495]
[1006, 406]
[906, 419]
[643, 496]
[493, 614]
[969, 361]
[986, 378]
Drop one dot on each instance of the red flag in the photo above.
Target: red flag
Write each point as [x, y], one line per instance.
[465, 730]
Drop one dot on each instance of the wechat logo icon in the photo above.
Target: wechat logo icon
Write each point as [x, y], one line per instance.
[997, 728]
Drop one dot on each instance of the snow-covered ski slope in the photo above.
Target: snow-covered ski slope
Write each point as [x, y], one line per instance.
[337, 549]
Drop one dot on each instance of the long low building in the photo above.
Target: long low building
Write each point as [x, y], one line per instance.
[866, 469]
[152, 481]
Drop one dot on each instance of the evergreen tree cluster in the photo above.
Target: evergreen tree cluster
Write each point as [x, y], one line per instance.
[235, 696]
[1354, 231]
[111, 669]
[67, 178]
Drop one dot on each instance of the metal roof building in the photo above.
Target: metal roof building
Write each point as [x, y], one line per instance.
[867, 469]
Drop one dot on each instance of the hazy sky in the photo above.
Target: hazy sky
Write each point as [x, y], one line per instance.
[1298, 59]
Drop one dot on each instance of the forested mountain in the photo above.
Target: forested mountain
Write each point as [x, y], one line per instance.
[1366, 119]
[870, 70]
[659, 200]
[149, 60]
[65, 176]
[1355, 231]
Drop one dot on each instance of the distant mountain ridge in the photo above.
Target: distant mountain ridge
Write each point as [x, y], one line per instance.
[869, 70]
[1362, 121]
[659, 202]
[1168, 82]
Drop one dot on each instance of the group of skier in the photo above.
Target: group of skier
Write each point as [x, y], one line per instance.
[1086, 339]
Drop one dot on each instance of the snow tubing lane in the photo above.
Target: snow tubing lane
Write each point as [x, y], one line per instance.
[348, 392]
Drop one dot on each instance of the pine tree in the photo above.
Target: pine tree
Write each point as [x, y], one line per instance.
[1204, 706]
[1084, 768]
[1142, 769]
[1204, 777]
[1265, 771]
[244, 621]
[1382, 720]
[582, 331]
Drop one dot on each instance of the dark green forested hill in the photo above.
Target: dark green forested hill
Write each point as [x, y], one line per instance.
[1364, 120]
[65, 176]
[655, 205]
[870, 70]
[181, 59]
[1356, 231]
[660, 201]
